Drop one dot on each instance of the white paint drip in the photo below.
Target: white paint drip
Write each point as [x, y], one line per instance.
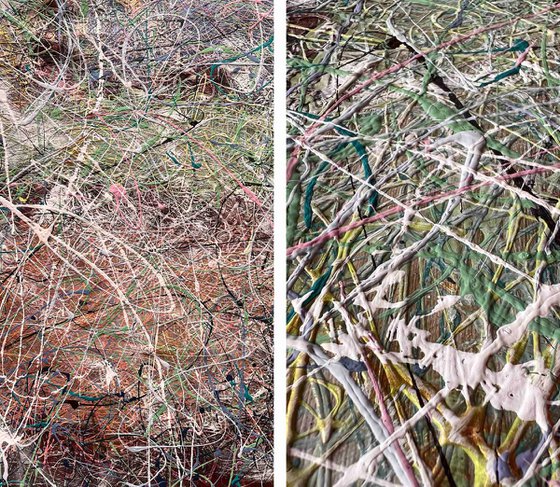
[521, 388]
[7, 440]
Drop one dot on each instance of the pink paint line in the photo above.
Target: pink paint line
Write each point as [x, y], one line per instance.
[399, 208]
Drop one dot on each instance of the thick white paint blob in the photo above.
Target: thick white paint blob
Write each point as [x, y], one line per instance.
[521, 388]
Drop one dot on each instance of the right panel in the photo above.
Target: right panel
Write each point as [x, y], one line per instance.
[423, 243]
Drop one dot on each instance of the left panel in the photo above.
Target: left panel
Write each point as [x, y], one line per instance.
[136, 243]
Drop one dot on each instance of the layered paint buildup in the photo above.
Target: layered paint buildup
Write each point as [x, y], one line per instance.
[423, 243]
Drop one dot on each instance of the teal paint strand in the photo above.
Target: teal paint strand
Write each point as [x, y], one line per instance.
[194, 164]
[246, 394]
[505, 74]
[318, 286]
[307, 212]
[172, 157]
[519, 46]
[314, 291]
[360, 150]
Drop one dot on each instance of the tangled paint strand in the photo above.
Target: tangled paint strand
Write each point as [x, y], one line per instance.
[136, 243]
[423, 293]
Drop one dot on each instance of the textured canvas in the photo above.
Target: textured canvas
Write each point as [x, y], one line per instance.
[423, 243]
[136, 243]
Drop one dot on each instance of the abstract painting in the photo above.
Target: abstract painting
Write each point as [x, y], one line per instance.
[423, 236]
[135, 243]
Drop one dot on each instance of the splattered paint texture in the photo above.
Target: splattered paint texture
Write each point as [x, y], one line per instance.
[135, 243]
[423, 243]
